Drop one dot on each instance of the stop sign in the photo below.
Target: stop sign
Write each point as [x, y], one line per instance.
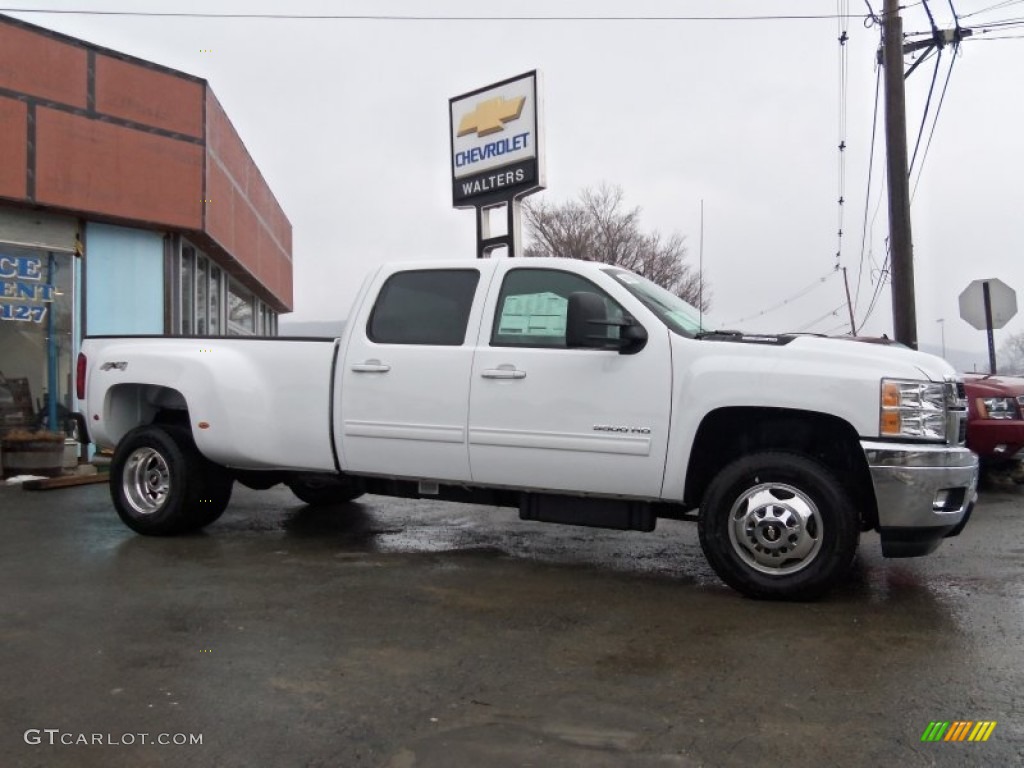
[1001, 296]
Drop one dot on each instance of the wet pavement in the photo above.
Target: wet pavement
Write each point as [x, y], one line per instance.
[418, 634]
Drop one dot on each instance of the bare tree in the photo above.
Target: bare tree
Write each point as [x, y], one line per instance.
[1011, 355]
[596, 227]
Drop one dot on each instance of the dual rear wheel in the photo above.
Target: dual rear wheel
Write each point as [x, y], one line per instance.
[161, 485]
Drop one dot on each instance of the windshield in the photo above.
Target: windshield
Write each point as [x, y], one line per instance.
[678, 315]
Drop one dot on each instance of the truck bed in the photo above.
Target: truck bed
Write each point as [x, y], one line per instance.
[256, 403]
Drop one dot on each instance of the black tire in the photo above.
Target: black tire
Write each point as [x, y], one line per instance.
[778, 526]
[320, 490]
[161, 485]
[215, 497]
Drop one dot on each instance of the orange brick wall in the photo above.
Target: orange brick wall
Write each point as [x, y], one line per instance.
[14, 146]
[243, 216]
[88, 165]
[37, 65]
[123, 140]
[149, 97]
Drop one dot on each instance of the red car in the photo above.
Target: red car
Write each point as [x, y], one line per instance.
[995, 417]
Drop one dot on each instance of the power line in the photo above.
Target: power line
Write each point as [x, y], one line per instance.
[1003, 26]
[1003, 4]
[867, 193]
[935, 122]
[815, 321]
[843, 37]
[412, 17]
[927, 108]
[981, 28]
[956, 19]
[799, 294]
[937, 45]
[835, 328]
[878, 288]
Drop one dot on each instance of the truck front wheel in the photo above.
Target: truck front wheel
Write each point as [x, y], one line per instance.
[161, 485]
[778, 526]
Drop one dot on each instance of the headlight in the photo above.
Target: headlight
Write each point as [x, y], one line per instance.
[913, 409]
[996, 407]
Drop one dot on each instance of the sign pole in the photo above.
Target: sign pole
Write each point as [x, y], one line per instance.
[988, 328]
[51, 356]
[512, 239]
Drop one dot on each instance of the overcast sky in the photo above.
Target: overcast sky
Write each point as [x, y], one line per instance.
[348, 120]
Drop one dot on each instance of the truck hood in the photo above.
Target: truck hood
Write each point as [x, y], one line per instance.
[886, 358]
[803, 373]
[892, 360]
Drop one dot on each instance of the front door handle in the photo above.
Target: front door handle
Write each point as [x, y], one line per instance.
[371, 366]
[503, 372]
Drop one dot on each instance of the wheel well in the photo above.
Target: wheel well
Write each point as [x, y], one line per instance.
[135, 405]
[728, 433]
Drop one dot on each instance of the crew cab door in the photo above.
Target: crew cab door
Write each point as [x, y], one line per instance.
[404, 388]
[543, 416]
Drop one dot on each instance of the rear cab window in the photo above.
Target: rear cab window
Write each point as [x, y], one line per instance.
[428, 306]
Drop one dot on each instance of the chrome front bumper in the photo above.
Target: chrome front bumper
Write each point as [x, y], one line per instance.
[923, 492]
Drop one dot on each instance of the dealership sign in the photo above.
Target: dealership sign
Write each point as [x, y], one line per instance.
[23, 294]
[496, 151]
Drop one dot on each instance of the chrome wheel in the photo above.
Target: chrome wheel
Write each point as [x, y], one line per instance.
[775, 528]
[147, 480]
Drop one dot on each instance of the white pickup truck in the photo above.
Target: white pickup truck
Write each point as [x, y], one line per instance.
[578, 392]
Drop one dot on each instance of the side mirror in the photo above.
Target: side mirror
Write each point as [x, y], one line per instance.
[586, 321]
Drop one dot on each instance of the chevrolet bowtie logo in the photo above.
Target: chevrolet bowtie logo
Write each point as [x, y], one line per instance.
[491, 115]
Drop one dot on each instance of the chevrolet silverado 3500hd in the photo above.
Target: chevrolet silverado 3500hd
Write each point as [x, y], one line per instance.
[576, 391]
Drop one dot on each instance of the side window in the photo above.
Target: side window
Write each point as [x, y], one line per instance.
[428, 306]
[532, 308]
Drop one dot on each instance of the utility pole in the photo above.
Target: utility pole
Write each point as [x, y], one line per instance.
[901, 244]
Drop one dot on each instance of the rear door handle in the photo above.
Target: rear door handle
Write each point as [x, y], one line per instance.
[503, 372]
[371, 366]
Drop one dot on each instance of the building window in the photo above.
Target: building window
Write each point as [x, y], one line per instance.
[241, 316]
[216, 293]
[210, 303]
[188, 290]
[37, 310]
[202, 285]
[268, 321]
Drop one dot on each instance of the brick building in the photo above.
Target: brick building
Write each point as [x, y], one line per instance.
[128, 204]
